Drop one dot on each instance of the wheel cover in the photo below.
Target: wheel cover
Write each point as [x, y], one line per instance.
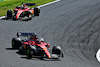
[13, 43]
[27, 51]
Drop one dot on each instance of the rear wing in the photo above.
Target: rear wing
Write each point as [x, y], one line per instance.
[25, 34]
[30, 4]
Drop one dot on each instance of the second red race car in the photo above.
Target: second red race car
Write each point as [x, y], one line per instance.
[35, 47]
[23, 12]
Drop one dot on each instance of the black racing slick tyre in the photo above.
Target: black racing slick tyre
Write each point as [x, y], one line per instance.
[9, 14]
[36, 11]
[29, 52]
[14, 18]
[16, 43]
[55, 50]
[22, 49]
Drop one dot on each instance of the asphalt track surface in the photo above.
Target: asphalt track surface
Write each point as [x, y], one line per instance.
[72, 24]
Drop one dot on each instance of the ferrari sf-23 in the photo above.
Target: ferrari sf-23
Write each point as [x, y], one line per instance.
[23, 12]
[33, 46]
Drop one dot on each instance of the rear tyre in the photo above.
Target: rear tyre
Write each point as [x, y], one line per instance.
[16, 43]
[36, 11]
[9, 14]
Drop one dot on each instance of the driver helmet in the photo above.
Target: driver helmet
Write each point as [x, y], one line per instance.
[22, 5]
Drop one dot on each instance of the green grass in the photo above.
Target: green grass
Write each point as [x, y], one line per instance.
[1, 0]
[11, 4]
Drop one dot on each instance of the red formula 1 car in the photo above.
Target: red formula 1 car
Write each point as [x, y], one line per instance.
[34, 47]
[23, 12]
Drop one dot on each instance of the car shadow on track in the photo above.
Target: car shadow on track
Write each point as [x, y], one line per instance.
[20, 53]
[14, 20]
[24, 54]
[44, 59]
[11, 49]
[36, 59]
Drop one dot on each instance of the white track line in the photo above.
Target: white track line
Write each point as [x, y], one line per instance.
[48, 3]
[98, 55]
[40, 6]
[2, 17]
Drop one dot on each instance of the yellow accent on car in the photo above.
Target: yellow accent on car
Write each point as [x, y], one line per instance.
[44, 48]
[18, 12]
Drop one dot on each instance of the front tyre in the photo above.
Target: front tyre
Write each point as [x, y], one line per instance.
[29, 52]
[14, 18]
[13, 43]
[30, 16]
[57, 50]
